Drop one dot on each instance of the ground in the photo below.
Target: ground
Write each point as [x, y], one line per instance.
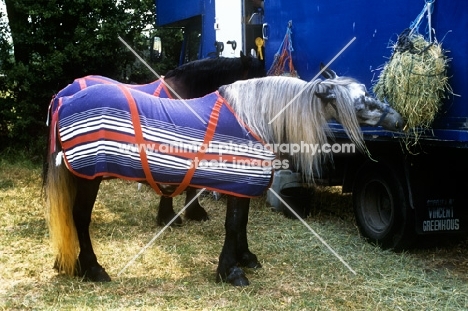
[178, 270]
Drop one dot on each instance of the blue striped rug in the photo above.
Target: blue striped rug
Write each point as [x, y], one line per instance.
[113, 130]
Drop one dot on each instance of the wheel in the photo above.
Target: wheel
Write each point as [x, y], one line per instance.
[381, 206]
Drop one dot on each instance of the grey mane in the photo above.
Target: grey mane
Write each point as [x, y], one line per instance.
[304, 121]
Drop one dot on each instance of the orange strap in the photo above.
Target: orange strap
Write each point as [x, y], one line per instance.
[161, 86]
[82, 82]
[139, 139]
[210, 130]
[53, 126]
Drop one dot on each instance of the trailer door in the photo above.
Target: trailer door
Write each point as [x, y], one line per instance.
[228, 27]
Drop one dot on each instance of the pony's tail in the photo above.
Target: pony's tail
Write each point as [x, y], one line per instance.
[60, 195]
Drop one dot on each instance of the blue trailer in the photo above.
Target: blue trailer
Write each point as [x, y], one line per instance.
[398, 195]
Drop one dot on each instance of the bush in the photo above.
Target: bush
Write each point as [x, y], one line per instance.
[55, 43]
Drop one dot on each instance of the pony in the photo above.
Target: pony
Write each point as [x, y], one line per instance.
[191, 80]
[263, 112]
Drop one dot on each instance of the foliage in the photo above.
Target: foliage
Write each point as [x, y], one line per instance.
[49, 43]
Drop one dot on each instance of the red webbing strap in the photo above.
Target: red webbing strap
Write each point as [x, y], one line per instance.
[162, 85]
[139, 139]
[82, 83]
[53, 126]
[159, 88]
[210, 130]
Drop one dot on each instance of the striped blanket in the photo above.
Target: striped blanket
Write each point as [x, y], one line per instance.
[113, 130]
[155, 88]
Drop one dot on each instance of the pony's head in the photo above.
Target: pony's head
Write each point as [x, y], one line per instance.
[369, 110]
[285, 110]
[253, 67]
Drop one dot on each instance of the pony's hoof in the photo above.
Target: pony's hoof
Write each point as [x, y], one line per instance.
[250, 260]
[236, 277]
[96, 274]
[196, 213]
[162, 221]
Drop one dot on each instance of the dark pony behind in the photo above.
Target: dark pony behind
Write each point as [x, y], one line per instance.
[198, 78]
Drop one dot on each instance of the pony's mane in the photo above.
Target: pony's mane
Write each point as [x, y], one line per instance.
[258, 101]
[206, 75]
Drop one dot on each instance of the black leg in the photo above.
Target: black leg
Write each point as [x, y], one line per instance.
[194, 211]
[166, 212]
[244, 256]
[228, 271]
[87, 265]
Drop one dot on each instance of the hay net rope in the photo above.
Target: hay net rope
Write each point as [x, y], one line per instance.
[284, 57]
[414, 81]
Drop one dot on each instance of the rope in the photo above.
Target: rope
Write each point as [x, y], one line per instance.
[404, 42]
[429, 8]
[283, 56]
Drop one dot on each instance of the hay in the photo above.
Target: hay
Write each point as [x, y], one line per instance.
[414, 82]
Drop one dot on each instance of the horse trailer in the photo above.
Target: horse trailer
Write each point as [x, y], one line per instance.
[399, 192]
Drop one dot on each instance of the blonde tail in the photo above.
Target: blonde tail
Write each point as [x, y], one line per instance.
[60, 191]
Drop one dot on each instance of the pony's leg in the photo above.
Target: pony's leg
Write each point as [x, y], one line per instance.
[194, 211]
[244, 256]
[228, 270]
[87, 265]
[166, 212]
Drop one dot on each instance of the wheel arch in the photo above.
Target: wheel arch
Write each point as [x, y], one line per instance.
[392, 175]
[394, 160]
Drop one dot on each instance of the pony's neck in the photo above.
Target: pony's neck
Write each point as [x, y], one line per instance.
[285, 112]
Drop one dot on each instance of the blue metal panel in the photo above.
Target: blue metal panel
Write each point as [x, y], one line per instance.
[172, 11]
[209, 36]
[177, 13]
[322, 27]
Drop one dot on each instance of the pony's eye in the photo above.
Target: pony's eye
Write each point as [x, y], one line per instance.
[360, 107]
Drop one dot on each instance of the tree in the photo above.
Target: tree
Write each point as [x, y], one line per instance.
[55, 41]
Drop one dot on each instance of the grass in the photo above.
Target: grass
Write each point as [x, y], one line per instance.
[178, 271]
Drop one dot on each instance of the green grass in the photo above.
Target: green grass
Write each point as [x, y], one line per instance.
[178, 271]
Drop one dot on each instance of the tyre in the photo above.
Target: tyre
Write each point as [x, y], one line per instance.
[381, 206]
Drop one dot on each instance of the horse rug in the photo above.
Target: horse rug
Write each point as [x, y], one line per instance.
[156, 88]
[112, 130]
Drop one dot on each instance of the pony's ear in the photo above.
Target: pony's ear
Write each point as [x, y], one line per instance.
[328, 73]
[326, 96]
[242, 56]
